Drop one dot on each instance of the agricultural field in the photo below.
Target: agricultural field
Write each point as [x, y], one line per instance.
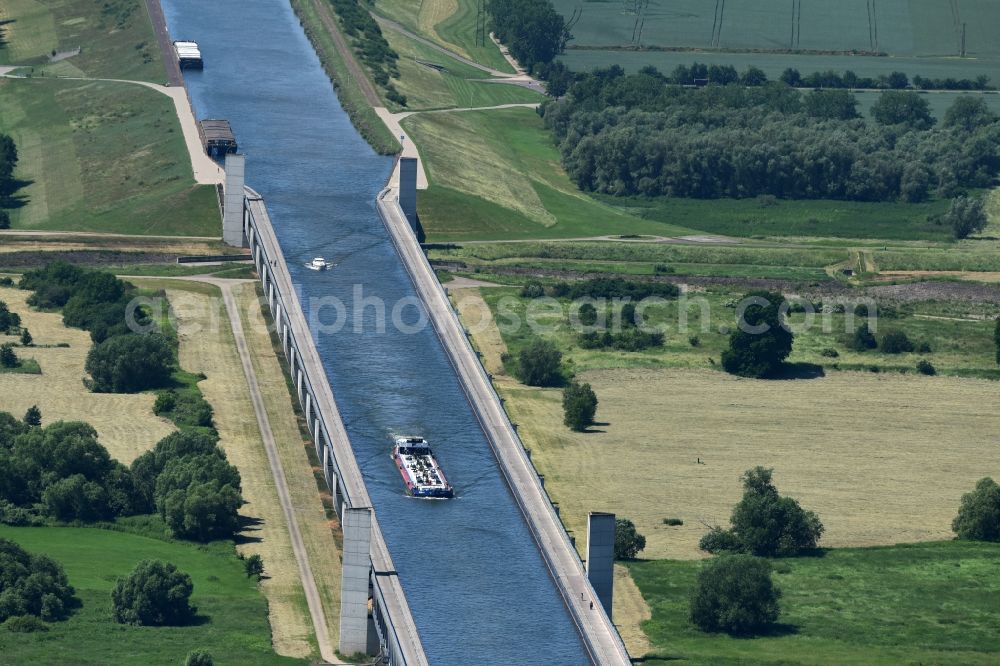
[895, 27]
[930, 603]
[76, 38]
[232, 614]
[98, 156]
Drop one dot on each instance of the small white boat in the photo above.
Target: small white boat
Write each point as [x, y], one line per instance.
[319, 264]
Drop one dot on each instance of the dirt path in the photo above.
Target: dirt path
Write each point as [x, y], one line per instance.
[325, 13]
[278, 474]
[174, 77]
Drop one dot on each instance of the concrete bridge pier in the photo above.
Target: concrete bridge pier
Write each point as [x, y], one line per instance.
[601, 556]
[408, 189]
[357, 525]
[232, 207]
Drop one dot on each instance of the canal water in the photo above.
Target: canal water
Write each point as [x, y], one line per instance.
[476, 583]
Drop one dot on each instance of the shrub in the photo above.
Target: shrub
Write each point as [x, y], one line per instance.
[4, 220]
[735, 594]
[588, 314]
[628, 542]
[863, 339]
[978, 517]
[538, 364]
[130, 363]
[663, 269]
[694, 341]
[32, 585]
[925, 367]
[26, 338]
[165, 402]
[896, 342]
[673, 522]
[759, 355]
[25, 624]
[199, 658]
[532, 290]
[184, 409]
[155, 593]
[718, 540]
[829, 353]
[579, 406]
[924, 348]
[254, 566]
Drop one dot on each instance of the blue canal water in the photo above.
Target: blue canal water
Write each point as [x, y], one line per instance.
[476, 583]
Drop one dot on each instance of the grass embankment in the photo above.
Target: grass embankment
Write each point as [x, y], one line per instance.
[232, 615]
[115, 39]
[455, 84]
[931, 603]
[125, 423]
[349, 92]
[102, 157]
[450, 23]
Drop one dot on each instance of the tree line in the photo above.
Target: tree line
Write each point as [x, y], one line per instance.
[8, 184]
[639, 134]
[533, 31]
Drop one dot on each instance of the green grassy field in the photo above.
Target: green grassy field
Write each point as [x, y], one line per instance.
[458, 85]
[930, 603]
[450, 23]
[117, 38]
[232, 612]
[102, 157]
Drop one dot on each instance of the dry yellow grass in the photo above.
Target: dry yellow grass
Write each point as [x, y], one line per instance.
[207, 346]
[630, 610]
[881, 458]
[433, 12]
[316, 529]
[125, 424]
[486, 337]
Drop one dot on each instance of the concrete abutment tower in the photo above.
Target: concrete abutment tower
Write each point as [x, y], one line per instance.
[232, 203]
[601, 556]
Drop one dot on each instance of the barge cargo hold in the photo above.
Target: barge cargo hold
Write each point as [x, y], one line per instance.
[421, 473]
[188, 55]
[217, 137]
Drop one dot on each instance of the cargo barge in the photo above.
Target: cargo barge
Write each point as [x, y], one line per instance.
[420, 471]
[188, 55]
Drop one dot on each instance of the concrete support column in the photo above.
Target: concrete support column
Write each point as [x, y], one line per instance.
[232, 209]
[408, 189]
[357, 524]
[318, 437]
[601, 556]
[299, 374]
[308, 412]
[284, 341]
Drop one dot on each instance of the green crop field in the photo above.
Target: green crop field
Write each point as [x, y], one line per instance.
[897, 27]
[232, 613]
[116, 38]
[102, 157]
[932, 604]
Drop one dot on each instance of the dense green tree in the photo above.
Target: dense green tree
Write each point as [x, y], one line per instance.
[202, 511]
[753, 76]
[155, 593]
[539, 364]
[254, 566]
[863, 339]
[903, 108]
[978, 517]
[765, 523]
[762, 342]
[588, 314]
[4, 219]
[579, 406]
[898, 81]
[533, 30]
[26, 338]
[130, 363]
[33, 416]
[735, 594]
[831, 105]
[966, 216]
[9, 321]
[628, 542]
[32, 585]
[969, 113]
[8, 357]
